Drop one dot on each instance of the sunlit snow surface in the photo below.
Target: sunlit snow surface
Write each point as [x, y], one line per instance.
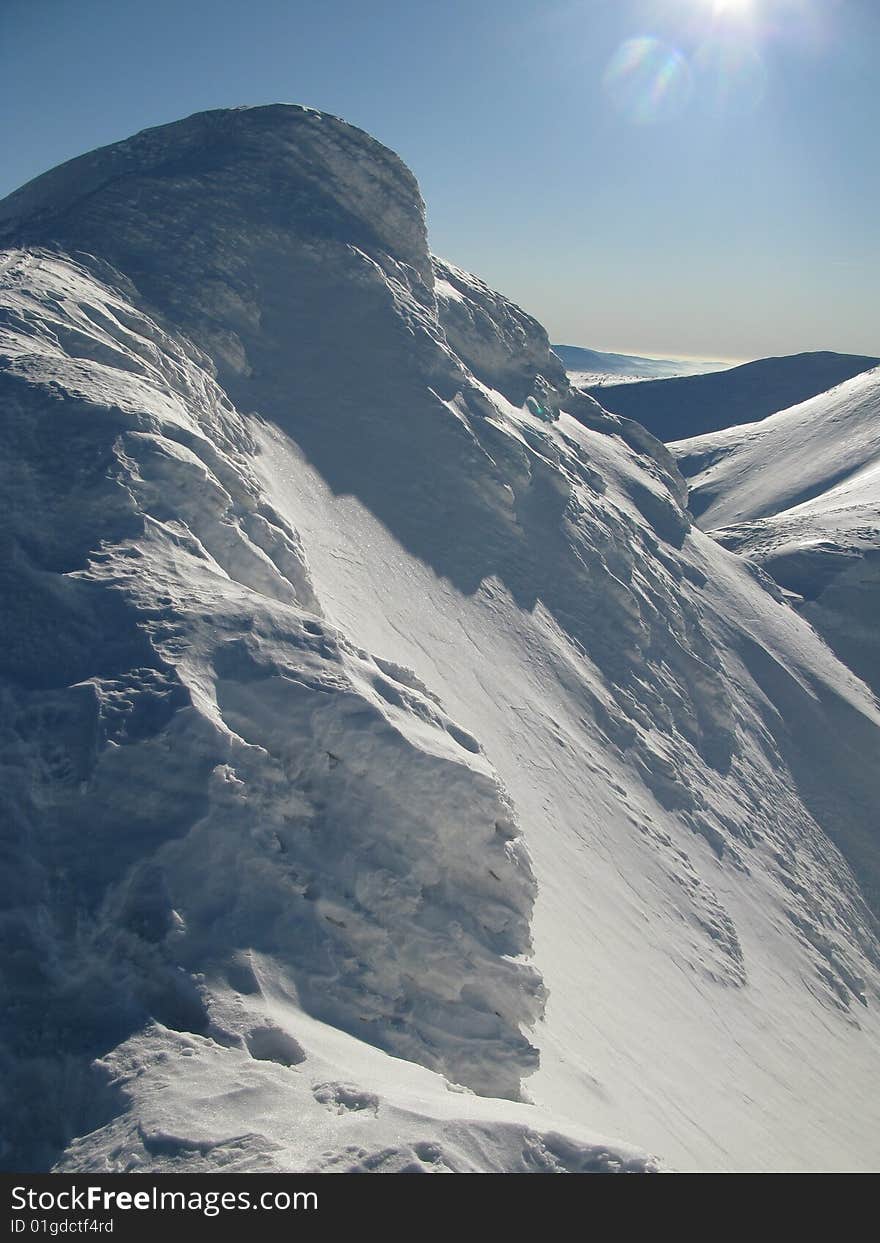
[799, 493]
[376, 722]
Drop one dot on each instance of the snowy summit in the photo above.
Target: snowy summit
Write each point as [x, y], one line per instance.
[395, 777]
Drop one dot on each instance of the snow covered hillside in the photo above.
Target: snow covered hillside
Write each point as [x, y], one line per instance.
[689, 406]
[393, 777]
[799, 493]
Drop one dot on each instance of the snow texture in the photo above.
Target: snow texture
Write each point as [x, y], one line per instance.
[365, 686]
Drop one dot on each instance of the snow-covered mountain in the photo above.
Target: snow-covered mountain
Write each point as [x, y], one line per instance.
[676, 409]
[394, 778]
[597, 368]
[799, 493]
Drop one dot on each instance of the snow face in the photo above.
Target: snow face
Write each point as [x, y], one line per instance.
[502, 345]
[362, 683]
[192, 693]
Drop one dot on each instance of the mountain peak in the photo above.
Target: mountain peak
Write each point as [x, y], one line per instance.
[179, 201]
[364, 685]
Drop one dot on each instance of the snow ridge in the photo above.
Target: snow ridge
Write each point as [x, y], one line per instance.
[181, 683]
[697, 405]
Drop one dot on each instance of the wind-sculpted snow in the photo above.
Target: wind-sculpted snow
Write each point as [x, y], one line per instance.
[506, 348]
[348, 1109]
[197, 761]
[326, 597]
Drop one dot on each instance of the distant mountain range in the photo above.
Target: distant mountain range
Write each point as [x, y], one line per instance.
[602, 368]
[673, 409]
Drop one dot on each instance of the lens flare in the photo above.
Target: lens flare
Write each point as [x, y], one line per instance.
[648, 80]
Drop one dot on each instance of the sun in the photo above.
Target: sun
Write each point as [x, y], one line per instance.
[728, 8]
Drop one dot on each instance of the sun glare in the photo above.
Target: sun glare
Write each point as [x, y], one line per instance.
[709, 52]
[728, 6]
[721, 9]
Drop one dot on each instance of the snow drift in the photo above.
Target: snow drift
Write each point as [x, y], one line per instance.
[365, 686]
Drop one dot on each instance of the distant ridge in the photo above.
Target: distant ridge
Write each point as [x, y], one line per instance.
[579, 361]
[674, 409]
[799, 493]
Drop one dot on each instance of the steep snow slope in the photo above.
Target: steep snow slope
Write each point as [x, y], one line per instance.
[360, 705]
[800, 494]
[171, 684]
[695, 405]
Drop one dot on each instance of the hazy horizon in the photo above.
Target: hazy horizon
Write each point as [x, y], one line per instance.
[667, 178]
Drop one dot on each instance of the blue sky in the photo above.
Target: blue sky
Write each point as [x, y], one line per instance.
[694, 177]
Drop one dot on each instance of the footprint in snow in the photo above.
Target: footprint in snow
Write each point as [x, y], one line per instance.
[271, 1044]
[343, 1097]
